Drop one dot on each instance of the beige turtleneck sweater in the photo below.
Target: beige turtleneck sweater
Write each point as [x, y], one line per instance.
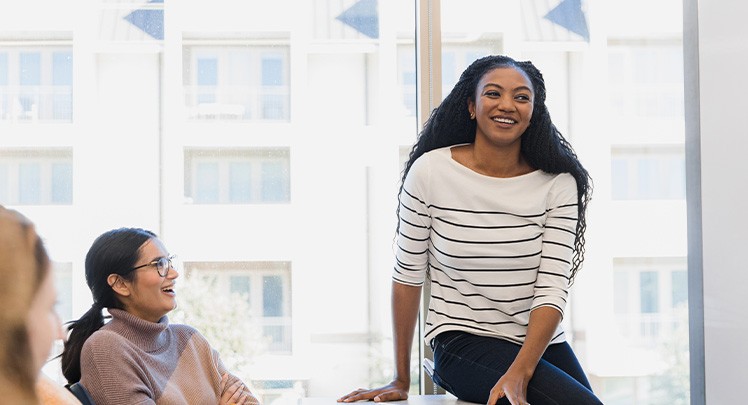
[134, 361]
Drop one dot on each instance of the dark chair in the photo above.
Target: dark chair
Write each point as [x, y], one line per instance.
[428, 367]
[80, 392]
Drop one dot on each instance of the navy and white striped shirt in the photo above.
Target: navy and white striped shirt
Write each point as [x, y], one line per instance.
[494, 248]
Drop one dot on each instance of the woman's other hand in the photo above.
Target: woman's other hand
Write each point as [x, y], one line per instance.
[394, 391]
[513, 386]
[236, 394]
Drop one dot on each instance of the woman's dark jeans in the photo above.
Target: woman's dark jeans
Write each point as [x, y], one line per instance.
[468, 366]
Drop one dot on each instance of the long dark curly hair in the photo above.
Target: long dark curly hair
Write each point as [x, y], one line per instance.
[542, 145]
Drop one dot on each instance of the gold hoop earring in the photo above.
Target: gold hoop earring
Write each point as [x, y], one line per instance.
[472, 115]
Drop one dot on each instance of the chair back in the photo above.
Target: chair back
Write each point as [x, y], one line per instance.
[81, 393]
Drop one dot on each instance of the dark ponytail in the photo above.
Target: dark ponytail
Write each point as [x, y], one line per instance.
[80, 330]
[113, 252]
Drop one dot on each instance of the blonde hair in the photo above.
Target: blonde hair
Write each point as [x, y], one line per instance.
[23, 263]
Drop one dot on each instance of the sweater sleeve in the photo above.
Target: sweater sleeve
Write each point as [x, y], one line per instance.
[231, 377]
[111, 374]
[414, 226]
[551, 288]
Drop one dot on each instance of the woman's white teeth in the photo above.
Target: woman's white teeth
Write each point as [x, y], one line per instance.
[504, 120]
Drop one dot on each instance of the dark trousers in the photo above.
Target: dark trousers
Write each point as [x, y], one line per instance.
[468, 366]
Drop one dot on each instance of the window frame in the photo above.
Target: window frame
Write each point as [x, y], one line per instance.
[257, 157]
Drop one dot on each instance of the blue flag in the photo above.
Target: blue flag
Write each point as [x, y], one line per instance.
[569, 15]
[363, 17]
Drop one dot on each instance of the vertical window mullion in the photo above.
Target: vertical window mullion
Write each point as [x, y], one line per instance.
[428, 90]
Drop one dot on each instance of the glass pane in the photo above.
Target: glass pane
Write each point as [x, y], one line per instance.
[240, 182]
[680, 288]
[407, 79]
[449, 71]
[207, 79]
[264, 286]
[62, 183]
[620, 178]
[238, 91]
[302, 77]
[273, 107]
[220, 158]
[275, 187]
[29, 183]
[238, 82]
[649, 287]
[207, 72]
[207, 183]
[272, 72]
[4, 184]
[240, 67]
[63, 273]
[621, 291]
[30, 69]
[648, 174]
[272, 296]
[38, 75]
[62, 68]
[633, 149]
[241, 285]
[3, 69]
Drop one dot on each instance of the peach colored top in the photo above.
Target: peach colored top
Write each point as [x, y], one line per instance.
[51, 393]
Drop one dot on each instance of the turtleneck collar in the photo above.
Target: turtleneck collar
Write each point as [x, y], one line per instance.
[149, 336]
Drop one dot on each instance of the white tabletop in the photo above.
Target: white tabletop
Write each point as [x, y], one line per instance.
[447, 399]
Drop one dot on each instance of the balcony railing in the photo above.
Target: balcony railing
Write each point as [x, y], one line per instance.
[648, 330]
[235, 102]
[278, 330]
[36, 103]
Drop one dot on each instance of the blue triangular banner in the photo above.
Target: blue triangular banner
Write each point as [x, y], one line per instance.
[149, 21]
[569, 15]
[363, 17]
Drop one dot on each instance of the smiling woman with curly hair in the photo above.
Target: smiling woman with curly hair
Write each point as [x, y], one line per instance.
[492, 214]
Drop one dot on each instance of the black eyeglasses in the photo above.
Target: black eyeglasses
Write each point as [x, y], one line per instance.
[162, 265]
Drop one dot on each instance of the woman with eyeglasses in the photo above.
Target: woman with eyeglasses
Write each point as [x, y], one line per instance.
[139, 357]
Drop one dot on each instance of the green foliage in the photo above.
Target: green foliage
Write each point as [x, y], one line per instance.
[672, 386]
[224, 319]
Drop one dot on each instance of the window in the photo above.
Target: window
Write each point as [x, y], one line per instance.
[36, 83]
[648, 173]
[63, 279]
[39, 177]
[237, 176]
[407, 77]
[229, 82]
[264, 286]
[63, 273]
[646, 80]
[455, 58]
[649, 296]
[275, 391]
[199, 151]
